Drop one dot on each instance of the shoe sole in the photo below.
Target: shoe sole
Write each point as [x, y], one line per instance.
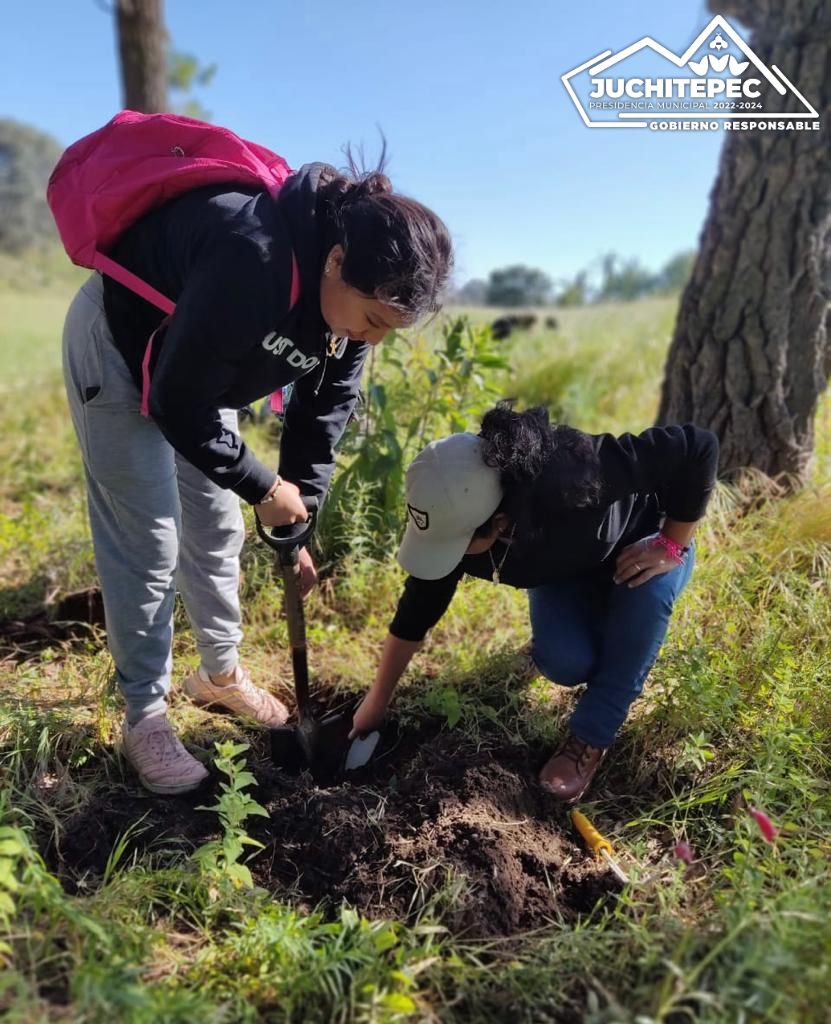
[567, 800]
[163, 790]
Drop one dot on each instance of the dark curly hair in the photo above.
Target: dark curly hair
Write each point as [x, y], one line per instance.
[545, 469]
[395, 249]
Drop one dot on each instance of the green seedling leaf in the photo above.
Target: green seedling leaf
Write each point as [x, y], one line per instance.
[399, 1003]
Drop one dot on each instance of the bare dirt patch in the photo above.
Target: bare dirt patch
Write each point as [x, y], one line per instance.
[71, 618]
[431, 820]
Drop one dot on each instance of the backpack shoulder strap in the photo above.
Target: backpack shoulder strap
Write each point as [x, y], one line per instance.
[135, 284]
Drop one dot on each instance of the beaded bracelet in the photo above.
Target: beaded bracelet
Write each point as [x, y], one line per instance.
[672, 547]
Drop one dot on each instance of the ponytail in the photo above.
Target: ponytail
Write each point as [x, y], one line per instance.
[340, 191]
[545, 470]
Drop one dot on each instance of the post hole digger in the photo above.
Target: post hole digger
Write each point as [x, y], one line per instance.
[321, 744]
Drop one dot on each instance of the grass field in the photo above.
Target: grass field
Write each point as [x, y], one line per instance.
[439, 884]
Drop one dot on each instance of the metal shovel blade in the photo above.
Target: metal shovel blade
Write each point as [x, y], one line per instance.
[295, 746]
[286, 749]
[318, 744]
[361, 750]
[332, 751]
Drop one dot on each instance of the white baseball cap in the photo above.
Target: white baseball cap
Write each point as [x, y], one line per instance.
[450, 492]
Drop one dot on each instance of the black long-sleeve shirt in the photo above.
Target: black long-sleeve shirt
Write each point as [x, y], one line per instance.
[665, 471]
[223, 255]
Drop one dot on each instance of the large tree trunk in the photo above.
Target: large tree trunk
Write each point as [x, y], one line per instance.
[142, 46]
[751, 352]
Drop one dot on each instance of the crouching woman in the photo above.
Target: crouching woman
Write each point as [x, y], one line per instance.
[598, 529]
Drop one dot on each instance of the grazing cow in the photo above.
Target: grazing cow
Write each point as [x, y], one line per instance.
[501, 328]
[505, 325]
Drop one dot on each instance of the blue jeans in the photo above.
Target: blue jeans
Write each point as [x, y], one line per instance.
[604, 634]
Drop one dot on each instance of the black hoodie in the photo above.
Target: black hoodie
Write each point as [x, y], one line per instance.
[223, 255]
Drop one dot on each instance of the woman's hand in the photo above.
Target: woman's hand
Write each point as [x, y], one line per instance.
[395, 657]
[369, 716]
[285, 508]
[642, 560]
[308, 572]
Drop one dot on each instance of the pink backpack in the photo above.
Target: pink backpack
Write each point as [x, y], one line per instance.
[104, 182]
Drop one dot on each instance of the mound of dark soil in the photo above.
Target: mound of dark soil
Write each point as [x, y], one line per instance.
[431, 822]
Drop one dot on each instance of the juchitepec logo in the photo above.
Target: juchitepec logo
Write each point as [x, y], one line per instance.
[717, 84]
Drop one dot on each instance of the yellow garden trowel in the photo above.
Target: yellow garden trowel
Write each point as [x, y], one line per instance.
[598, 844]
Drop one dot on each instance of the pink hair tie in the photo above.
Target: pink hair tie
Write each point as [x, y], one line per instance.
[672, 547]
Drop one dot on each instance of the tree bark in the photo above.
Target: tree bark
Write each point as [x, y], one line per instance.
[751, 352]
[142, 47]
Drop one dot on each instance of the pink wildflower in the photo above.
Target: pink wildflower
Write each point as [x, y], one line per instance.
[683, 851]
[766, 826]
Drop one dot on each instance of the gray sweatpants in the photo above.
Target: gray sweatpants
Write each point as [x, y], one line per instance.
[158, 524]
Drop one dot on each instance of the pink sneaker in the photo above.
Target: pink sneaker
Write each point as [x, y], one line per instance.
[157, 754]
[242, 697]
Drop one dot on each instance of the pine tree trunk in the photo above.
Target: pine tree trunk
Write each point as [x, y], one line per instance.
[142, 47]
[751, 353]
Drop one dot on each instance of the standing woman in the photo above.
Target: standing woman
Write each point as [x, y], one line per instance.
[599, 530]
[164, 490]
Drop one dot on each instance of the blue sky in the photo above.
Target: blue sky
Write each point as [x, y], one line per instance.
[468, 94]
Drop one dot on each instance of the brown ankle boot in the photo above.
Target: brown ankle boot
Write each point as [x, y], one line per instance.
[569, 772]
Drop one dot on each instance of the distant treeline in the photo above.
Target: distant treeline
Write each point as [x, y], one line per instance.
[27, 157]
[610, 279]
